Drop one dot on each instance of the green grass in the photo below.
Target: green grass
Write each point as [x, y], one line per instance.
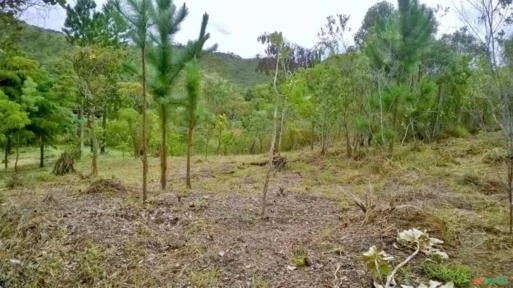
[459, 274]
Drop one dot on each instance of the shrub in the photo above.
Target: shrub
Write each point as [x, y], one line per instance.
[459, 274]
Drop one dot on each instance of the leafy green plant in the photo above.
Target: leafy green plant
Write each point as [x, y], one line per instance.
[377, 260]
[459, 274]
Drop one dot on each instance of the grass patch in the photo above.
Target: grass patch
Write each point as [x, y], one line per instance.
[299, 258]
[259, 282]
[204, 278]
[459, 274]
[91, 268]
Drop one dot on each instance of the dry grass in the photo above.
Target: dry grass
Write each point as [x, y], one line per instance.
[54, 235]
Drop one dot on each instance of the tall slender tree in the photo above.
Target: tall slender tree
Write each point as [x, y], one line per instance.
[193, 79]
[168, 62]
[138, 19]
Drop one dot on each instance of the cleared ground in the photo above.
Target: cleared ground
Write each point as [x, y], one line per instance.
[55, 234]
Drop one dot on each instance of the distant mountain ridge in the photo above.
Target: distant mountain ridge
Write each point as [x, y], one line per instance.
[43, 44]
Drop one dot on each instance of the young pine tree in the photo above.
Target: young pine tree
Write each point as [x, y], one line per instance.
[193, 79]
[139, 22]
[168, 62]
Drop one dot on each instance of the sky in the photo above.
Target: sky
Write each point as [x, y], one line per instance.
[235, 24]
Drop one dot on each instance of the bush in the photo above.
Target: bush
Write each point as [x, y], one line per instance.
[15, 180]
[459, 274]
[457, 132]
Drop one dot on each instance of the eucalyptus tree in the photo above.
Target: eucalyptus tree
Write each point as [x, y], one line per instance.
[87, 26]
[276, 47]
[490, 29]
[97, 69]
[167, 62]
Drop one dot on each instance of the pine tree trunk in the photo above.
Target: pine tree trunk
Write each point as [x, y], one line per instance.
[104, 132]
[144, 129]
[163, 148]
[41, 153]
[189, 149]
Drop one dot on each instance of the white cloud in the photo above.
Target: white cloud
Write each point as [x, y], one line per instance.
[235, 24]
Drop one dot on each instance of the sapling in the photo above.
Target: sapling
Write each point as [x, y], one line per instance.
[378, 260]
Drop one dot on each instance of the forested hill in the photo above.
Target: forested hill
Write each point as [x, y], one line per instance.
[44, 45]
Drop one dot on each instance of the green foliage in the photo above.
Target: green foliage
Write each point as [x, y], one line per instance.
[84, 25]
[376, 261]
[459, 274]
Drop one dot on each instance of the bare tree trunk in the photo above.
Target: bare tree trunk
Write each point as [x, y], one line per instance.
[312, 137]
[6, 152]
[207, 140]
[104, 131]
[144, 129]
[219, 142]
[82, 128]
[41, 152]
[94, 143]
[436, 127]
[163, 148]
[17, 154]
[270, 163]
[324, 139]
[282, 127]
[510, 192]
[189, 148]
[273, 141]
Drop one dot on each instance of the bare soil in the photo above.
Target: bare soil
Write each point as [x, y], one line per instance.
[63, 232]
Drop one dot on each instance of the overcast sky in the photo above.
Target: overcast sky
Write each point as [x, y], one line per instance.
[235, 24]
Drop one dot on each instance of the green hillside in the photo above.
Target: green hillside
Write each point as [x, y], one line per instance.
[43, 45]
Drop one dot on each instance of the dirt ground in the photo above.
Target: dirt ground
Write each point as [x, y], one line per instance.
[55, 232]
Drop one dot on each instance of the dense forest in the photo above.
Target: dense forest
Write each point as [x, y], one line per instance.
[113, 90]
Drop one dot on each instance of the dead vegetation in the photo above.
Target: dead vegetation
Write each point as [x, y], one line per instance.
[106, 186]
[322, 215]
[64, 165]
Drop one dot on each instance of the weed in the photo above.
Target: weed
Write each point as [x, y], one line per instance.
[470, 179]
[199, 204]
[300, 258]
[259, 282]
[459, 274]
[91, 265]
[204, 278]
